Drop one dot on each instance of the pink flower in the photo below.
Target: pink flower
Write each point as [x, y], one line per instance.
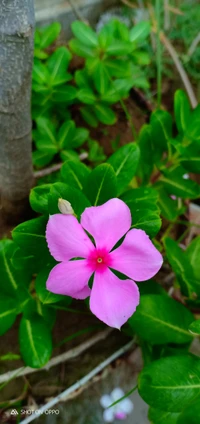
[112, 300]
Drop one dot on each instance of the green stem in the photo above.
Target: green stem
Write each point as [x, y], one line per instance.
[124, 397]
[158, 53]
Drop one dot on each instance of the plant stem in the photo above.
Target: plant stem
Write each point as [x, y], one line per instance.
[158, 53]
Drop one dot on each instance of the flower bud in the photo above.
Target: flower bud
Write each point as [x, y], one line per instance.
[65, 207]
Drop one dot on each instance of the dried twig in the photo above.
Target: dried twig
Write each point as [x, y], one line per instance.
[54, 168]
[193, 45]
[188, 86]
[72, 353]
[64, 395]
[76, 11]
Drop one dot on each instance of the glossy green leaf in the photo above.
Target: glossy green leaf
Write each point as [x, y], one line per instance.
[125, 162]
[81, 50]
[181, 266]
[146, 153]
[105, 114]
[39, 198]
[169, 207]
[195, 327]
[193, 254]
[80, 136]
[8, 313]
[35, 341]
[61, 190]
[176, 184]
[144, 210]
[86, 96]
[89, 116]
[160, 417]
[57, 65]
[41, 158]
[84, 34]
[161, 132]
[40, 73]
[182, 110]
[45, 296]
[101, 78]
[171, 383]
[49, 34]
[64, 94]
[12, 279]
[101, 184]
[119, 48]
[66, 133]
[75, 173]
[190, 414]
[140, 31]
[30, 236]
[160, 319]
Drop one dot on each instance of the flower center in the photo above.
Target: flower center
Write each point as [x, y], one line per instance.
[99, 260]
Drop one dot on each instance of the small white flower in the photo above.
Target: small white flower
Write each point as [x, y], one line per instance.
[120, 411]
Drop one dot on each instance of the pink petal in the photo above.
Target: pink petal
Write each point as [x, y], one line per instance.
[66, 238]
[70, 278]
[137, 257]
[112, 300]
[107, 223]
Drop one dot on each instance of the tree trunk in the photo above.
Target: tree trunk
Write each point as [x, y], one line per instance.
[16, 54]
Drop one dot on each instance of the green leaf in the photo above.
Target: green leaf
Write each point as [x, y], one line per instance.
[119, 48]
[40, 73]
[45, 128]
[101, 78]
[81, 50]
[181, 266]
[160, 417]
[146, 153]
[161, 132]
[45, 295]
[86, 95]
[8, 313]
[191, 414]
[115, 68]
[84, 34]
[195, 327]
[49, 34]
[64, 94]
[39, 198]
[193, 254]
[80, 137]
[191, 157]
[160, 319]
[171, 383]
[182, 110]
[175, 184]
[41, 159]
[101, 184]
[75, 173]
[30, 236]
[35, 341]
[65, 134]
[57, 65]
[105, 114]
[12, 279]
[125, 162]
[88, 115]
[168, 206]
[144, 210]
[140, 31]
[61, 190]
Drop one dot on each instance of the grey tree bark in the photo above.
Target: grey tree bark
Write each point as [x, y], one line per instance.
[16, 54]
